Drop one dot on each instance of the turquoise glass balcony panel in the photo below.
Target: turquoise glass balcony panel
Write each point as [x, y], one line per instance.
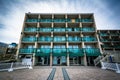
[45, 20]
[45, 38]
[59, 39]
[105, 40]
[88, 29]
[43, 52]
[32, 20]
[107, 46]
[27, 50]
[77, 20]
[59, 29]
[114, 34]
[117, 46]
[89, 39]
[86, 20]
[68, 20]
[59, 52]
[92, 51]
[29, 39]
[30, 29]
[73, 39]
[45, 29]
[59, 20]
[103, 34]
[75, 52]
[73, 29]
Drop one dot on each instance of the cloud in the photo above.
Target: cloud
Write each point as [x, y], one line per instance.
[13, 20]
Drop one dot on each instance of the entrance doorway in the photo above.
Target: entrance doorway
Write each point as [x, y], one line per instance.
[59, 60]
[75, 60]
[43, 61]
[90, 60]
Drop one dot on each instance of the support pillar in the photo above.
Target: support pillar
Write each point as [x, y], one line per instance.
[51, 59]
[33, 59]
[85, 60]
[68, 59]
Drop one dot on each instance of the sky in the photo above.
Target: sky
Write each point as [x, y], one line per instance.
[12, 12]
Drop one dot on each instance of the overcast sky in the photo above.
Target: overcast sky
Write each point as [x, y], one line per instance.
[107, 13]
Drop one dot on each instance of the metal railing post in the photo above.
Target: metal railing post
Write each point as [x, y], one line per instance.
[118, 69]
[11, 67]
[103, 66]
[30, 66]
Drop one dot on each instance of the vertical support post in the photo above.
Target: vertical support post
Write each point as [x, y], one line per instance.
[85, 60]
[67, 59]
[118, 69]
[11, 69]
[103, 66]
[51, 59]
[33, 59]
[30, 65]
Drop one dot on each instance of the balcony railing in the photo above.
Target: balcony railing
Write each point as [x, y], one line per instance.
[59, 20]
[30, 29]
[86, 20]
[29, 39]
[59, 39]
[27, 50]
[47, 39]
[105, 40]
[74, 39]
[89, 39]
[114, 34]
[43, 52]
[45, 20]
[73, 29]
[59, 29]
[32, 20]
[92, 51]
[103, 34]
[107, 46]
[59, 52]
[75, 52]
[88, 29]
[45, 29]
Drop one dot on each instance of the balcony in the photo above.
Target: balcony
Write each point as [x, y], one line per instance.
[86, 20]
[59, 52]
[117, 46]
[73, 29]
[45, 29]
[105, 40]
[32, 20]
[30, 29]
[107, 46]
[114, 34]
[89, 39]
[43, 52]
[92, 51]
[27, 50]
[104, 34]
[59, 29]
[74, 39]
[59, 39]
[75, 52]
[88, 29]
[29, 39]
[45, 39]
[45, 20]
[59, 20]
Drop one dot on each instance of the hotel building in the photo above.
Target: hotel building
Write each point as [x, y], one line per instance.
[59, 39]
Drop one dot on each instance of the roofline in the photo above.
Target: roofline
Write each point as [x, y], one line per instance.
[59, 13]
